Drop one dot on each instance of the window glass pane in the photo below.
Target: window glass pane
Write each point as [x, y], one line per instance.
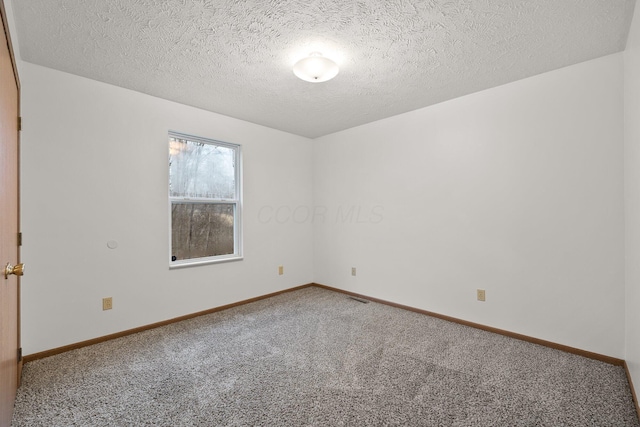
[201, 230]
[201, 170]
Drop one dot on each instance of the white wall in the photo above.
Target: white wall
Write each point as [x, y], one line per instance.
[517, 190]
[632, 197]
[94, 168]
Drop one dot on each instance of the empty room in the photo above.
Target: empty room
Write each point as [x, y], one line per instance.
[320, 213]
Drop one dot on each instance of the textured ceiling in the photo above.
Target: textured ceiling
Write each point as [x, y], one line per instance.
[236, 57]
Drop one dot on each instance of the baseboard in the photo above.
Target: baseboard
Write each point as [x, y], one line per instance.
[63, 349]
[633, 390]
[565, 348]
[584, 353]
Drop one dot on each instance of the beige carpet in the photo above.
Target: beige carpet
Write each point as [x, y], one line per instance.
[318, 358]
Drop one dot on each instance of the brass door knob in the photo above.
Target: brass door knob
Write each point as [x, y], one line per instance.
[17, 269]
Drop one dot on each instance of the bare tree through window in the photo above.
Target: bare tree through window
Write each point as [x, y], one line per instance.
[204, 195]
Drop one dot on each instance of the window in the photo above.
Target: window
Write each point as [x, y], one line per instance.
[205, 200]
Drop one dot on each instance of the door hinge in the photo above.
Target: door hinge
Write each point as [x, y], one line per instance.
[20, 354]
[19, 123]
[19, 239]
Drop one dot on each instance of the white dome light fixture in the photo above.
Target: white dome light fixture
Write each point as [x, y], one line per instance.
[316, 68]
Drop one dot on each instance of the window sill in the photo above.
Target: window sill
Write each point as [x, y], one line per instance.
[184, 264]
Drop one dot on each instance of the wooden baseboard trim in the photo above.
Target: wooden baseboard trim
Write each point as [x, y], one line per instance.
[565, 348]
[584, 353]
[63, 349]
[633, 390]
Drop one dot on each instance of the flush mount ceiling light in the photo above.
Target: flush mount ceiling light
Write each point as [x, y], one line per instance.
[315, 68]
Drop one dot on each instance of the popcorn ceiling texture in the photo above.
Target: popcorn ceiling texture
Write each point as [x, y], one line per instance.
[236, 57]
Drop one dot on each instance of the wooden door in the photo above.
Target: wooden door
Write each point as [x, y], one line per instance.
[9, 291]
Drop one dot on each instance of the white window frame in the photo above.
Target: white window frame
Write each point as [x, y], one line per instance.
[237, 201]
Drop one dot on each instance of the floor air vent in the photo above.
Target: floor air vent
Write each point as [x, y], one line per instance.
[364, 301]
